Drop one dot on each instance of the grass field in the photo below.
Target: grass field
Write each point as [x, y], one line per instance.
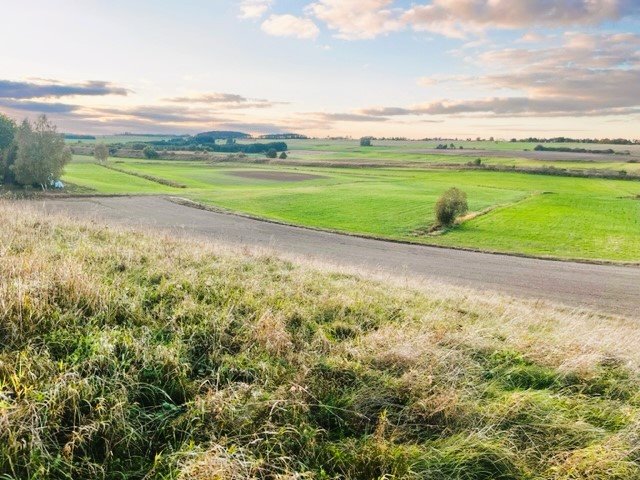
[130, 356]
[421, 153]
[532, 214]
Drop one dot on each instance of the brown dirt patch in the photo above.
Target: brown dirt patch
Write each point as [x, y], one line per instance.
[274, 175]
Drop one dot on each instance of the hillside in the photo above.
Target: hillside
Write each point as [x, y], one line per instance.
[129, 355]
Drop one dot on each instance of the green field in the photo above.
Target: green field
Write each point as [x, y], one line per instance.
[416, 153]
[564, 217]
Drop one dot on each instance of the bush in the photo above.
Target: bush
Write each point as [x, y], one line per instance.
[450, 205]
[150, 152]
[283, 156]
[272, 153]
[365, 142]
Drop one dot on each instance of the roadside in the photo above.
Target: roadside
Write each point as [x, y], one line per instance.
[607, 288]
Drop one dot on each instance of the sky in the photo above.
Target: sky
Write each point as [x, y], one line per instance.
[417, 69]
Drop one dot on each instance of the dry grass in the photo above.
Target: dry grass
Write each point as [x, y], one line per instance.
[127, 355]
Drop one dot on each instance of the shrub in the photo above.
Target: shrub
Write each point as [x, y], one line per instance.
[150, 152]
[272, 153]
[283, 156]
[365, 142]
[450, 205]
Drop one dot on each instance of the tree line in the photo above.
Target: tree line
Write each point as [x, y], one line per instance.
[31, 154]
[601, 141]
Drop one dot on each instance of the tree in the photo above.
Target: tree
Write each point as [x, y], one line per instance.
[272, 153]
[150, 152]
[101, 153]
[450, 205]
[365, 142]
[41, 155]
[283, 156]
[7, 148]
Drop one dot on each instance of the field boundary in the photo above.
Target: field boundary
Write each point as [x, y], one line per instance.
[151, 178]
[220, 210]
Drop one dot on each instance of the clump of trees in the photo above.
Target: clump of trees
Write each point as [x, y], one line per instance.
[444, 146]
[32, 153]
[150, 153]
[450, 206]
[365, 141]
[542, 148]
[101, 153]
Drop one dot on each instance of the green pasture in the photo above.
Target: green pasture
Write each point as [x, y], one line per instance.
[564, 217]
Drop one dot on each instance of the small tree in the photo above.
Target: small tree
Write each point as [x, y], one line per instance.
[150, 152]
[272, 153]
[450, 206]
[42, 153]
[101, 153]
[7, 148]
[365, 142]
[283, 156]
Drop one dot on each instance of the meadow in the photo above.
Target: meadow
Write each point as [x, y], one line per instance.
[139, 356]
[540, 215]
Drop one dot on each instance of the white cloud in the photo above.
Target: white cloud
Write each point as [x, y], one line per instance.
[365, 19]
[456, 18]
[357, 19]
[585, 75]
[254, 8]
[290, 26]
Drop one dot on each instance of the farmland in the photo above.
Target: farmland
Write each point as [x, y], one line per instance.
[540, 215]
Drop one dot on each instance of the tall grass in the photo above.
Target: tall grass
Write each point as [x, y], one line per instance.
[129, 355]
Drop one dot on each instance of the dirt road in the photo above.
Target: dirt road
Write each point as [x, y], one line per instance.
[610, 289]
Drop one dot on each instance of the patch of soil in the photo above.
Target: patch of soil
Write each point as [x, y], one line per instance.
[274, 175]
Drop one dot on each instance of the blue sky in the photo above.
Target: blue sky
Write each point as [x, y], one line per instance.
[460, 68]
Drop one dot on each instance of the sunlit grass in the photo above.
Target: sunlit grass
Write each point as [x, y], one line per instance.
[124, 355]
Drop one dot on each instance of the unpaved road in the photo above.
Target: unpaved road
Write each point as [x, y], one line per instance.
[609, 289]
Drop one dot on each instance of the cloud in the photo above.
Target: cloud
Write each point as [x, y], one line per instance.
[547, 92]
[348, 117]
[510, 107]
[53, 89]
[580, 50]
[584, 75]
[225, 101]
[357, 19]
[210, 98]
[290, 26]
[456, 17]
[254, 8]
[39, 107]
[153, 114]
[365, 19]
